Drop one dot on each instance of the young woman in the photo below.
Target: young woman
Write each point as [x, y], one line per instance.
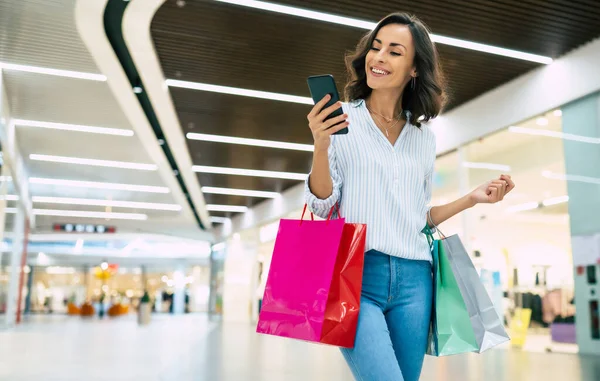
[381, 175]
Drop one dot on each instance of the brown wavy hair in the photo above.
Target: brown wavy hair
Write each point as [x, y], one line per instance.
[428, 97]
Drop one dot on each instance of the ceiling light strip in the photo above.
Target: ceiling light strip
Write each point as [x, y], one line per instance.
[239, 91]
[363, 24]
[565, 177]
[250, 142]
[226, 208]
[249, 172]
[93, 162]
[73, 127]
[523, 207]
[555, 200]
[220, 220]
[553, 134]
[240, 192]
[85, 214]
[491, 166]
[54, 72]
[98, 185]
[111, 203]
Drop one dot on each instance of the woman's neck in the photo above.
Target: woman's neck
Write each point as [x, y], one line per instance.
[385, 102]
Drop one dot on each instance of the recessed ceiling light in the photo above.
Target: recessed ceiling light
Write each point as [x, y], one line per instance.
[93, 162]
[73, 127]
[85, 214]
[239, 91]
[250, 142]
[541, 121]
[226, 208]
[362, 24]
[491, 166]
[249, 172]
[112, 203]
[240, 192]
[98, 185]
[54, 72]
[553, 134]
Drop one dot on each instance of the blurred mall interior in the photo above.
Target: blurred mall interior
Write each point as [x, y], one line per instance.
[149, 149]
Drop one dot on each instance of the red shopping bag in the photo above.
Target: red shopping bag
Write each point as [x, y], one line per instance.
[315, 280]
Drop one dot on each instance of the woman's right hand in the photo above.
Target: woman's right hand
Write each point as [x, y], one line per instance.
[323, 129]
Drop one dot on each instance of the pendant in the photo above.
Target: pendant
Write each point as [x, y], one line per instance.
[387, 133]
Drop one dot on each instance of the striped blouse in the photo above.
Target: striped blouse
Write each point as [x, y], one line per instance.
[386, 187]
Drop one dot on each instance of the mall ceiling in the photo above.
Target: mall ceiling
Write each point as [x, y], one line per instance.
[229, 44]
[219, 43]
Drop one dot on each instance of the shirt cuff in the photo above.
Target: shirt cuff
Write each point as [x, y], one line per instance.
[318, 206]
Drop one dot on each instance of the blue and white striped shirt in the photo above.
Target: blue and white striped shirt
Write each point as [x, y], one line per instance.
[386, 187]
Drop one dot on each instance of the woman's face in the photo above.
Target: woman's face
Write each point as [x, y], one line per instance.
[390, 61]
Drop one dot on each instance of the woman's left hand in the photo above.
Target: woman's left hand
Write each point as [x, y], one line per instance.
[492, 191]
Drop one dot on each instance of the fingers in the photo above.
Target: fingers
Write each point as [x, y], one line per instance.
[326, 112]
[493, 193]
[318, 106]
[337, 128]
[334, 121]
[497, 190]
[508, 179]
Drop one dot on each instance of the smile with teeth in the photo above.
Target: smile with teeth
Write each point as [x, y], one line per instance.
[379, 71]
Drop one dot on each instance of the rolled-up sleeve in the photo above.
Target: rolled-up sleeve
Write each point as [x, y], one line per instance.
[321, 207]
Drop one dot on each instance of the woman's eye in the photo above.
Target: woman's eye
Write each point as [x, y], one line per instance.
[374, 48]
[395, 54]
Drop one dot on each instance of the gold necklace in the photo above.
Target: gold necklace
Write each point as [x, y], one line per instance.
[388, 120]
[387, 133]
[387, 130]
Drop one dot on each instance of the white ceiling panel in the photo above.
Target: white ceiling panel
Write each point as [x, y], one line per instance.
[42, 33]
[98, 194]
[63, 100]
[43, 141]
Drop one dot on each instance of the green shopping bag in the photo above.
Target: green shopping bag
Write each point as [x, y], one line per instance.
[450, 330]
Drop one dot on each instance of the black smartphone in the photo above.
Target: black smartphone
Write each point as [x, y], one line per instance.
[321, 85]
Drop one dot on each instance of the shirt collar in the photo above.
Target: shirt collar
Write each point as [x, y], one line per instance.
[359, 102]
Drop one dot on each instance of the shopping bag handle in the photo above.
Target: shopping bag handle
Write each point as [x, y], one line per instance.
[312, 216]
[435, 227]
[337, 207]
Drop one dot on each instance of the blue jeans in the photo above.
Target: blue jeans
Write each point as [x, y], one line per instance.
[393, 324]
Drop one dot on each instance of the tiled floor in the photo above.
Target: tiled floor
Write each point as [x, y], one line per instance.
[192, 348]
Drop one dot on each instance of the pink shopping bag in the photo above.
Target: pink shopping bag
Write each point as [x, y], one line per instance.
[300, 280]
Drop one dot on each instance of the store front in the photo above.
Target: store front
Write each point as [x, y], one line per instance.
[55, 288]
[522, 246]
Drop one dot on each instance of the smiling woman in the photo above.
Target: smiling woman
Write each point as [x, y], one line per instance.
[412, 57]
[381, 174]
